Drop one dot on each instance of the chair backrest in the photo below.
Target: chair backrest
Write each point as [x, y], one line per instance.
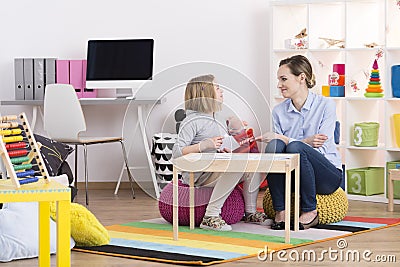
[180, 114]
[63, 116]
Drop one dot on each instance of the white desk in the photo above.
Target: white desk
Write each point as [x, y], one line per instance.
[37, 104]
[140, 102]
[238, 162]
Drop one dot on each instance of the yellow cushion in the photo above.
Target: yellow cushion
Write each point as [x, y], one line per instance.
[86, 230]
[331, 208]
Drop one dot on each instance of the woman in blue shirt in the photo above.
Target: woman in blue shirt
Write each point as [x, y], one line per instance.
[304, 123]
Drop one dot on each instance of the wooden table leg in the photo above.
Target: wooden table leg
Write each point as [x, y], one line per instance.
[175, 222]
[288, 193]
[390, 193]
[44, 233]
[63, 233]
[191, 200]
[297, 195]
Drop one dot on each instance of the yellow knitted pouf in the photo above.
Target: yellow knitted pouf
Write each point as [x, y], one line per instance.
[86, 230]
[331, 208]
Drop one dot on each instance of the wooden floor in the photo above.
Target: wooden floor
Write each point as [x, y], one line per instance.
[111, 209]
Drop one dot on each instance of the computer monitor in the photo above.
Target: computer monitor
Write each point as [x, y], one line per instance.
[119, 64]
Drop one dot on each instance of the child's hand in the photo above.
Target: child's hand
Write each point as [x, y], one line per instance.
[211, 143]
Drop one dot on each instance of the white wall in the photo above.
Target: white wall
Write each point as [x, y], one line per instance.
[232, 33]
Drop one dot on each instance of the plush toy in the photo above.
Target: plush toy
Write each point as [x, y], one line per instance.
[86, 230]
[243, 135]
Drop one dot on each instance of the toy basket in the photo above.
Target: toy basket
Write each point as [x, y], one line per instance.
[366, 181]
[366, 134]
[395, 82]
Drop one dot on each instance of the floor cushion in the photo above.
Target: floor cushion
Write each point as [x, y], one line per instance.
[54, 153]
[331, 208]
[232, 210]
[19, 238]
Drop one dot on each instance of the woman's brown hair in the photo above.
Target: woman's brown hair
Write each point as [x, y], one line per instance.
[299, 64]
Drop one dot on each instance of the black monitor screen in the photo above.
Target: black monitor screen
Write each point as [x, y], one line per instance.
[120, 59]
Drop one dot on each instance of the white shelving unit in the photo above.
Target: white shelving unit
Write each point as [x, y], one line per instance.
[357, 23]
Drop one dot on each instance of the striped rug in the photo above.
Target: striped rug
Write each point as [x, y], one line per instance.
[152, 240]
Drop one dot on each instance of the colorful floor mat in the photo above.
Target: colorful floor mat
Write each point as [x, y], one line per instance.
[152, 240]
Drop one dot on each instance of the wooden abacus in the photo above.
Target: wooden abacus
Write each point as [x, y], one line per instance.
[20, 152]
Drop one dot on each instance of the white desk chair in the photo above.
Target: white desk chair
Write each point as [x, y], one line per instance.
[64, 122]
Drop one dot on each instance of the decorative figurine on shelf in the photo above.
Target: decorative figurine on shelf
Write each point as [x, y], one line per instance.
[298, 42]
[302, 34]
[379, 53]
[353, 85]
[371, 45]
[334, 78]
[301, 42]
[333, 42]
[374, 88]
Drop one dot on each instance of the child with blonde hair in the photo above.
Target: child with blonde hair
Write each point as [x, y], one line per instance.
[201, 132]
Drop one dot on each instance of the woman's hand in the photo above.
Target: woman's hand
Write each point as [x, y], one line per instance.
[268, 136]
[316, 140]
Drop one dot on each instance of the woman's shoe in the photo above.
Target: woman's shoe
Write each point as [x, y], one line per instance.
[278, 225]
[314, 222]
[302, 226]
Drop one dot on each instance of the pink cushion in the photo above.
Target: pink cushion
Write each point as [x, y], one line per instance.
[232, 210]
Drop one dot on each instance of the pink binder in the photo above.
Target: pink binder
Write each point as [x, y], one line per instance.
[62, 71]
[86, 92]
[75, 76]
